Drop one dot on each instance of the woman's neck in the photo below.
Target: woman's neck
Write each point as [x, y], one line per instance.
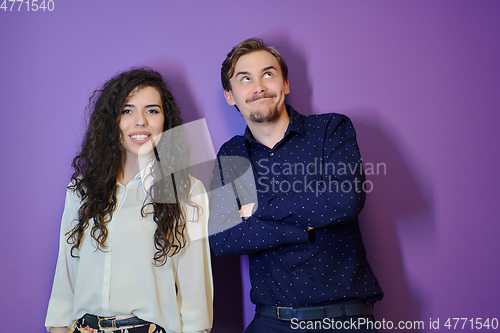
[131, 167]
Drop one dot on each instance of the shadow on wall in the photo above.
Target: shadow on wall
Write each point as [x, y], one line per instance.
[296, 60]
[396, 196]
[178, 83]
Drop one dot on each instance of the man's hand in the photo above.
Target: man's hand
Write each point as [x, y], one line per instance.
[246, 210]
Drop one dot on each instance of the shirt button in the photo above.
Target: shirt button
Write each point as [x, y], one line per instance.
[271, 154]
[294, 273]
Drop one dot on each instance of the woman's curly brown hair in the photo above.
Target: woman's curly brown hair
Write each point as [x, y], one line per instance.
[101, 159]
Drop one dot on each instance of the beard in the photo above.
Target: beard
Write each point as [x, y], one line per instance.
[263, 116]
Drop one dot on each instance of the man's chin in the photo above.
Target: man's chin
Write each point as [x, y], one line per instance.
[264, 117]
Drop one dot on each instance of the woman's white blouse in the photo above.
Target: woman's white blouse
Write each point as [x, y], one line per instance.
[124, 279]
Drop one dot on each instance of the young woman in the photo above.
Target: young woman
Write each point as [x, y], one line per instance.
[133, 253]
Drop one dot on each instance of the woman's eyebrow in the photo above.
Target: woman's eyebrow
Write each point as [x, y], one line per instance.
[147, 106]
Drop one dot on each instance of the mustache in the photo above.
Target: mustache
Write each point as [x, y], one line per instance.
[259, 96]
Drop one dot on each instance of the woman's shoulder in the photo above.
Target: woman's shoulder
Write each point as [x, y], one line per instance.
[73, 197]
[197, 187]
[197, 210]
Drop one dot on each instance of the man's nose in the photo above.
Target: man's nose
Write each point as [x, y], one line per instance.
[259, 86]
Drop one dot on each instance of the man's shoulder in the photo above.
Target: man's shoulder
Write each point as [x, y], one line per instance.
[318, 123]
[326, 117]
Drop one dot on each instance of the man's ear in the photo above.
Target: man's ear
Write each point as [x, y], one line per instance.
[287, 87]
[229, 97]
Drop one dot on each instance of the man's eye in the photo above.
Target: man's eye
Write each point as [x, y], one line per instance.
[245, 79]
[268, 74]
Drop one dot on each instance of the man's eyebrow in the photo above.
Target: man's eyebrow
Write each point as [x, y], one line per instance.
[242, 73]
[268, 68]
[263, 70]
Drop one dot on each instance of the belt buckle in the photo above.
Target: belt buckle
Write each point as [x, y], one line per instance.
[113, 322]
[278, 312]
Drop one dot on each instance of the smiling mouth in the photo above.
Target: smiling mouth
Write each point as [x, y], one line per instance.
[140, 137]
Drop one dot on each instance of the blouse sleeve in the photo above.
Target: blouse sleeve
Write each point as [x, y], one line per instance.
[194, 272]
[60, 308]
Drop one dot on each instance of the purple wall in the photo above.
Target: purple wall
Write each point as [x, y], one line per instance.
[420, 79]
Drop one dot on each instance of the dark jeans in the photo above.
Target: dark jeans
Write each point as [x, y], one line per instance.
[265, 324]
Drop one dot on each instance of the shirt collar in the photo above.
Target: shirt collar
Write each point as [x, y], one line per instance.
[296, 124]
[145, 176]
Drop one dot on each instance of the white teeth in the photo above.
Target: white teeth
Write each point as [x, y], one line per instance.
[139, 137]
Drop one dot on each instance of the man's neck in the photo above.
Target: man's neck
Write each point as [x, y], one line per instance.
[269, 134]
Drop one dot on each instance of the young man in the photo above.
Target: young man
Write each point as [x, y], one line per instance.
[288, 194]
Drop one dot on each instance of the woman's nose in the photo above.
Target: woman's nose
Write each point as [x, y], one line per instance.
[141, 120]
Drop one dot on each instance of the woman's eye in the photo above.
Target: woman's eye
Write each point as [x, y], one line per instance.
[126, 111]
[152, 111]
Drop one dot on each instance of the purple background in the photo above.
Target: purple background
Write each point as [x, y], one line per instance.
[419, 79]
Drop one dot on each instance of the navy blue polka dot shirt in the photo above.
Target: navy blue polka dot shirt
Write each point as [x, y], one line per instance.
[312, 178]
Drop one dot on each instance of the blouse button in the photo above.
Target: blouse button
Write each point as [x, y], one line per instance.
[271, 154]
